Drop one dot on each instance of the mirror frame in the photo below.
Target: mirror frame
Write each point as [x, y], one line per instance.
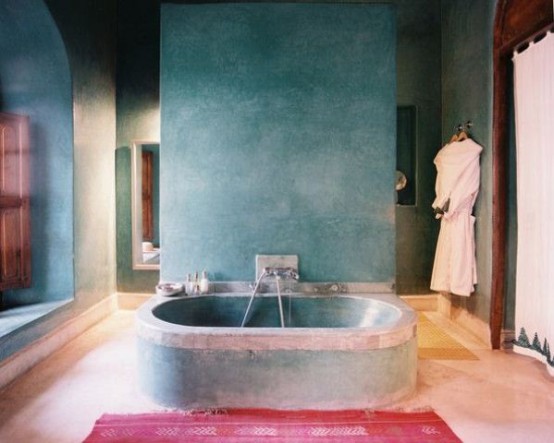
[136, 206]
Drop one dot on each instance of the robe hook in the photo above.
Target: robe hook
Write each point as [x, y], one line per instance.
[461, 127]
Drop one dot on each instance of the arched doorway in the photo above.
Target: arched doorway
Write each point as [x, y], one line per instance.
[516, 22]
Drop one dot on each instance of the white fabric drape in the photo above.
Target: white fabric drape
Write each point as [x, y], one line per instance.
[534, 106]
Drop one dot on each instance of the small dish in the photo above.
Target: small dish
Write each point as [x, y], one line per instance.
[169, 289]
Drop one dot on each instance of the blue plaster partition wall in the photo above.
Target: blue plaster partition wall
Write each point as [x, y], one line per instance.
[278, 127]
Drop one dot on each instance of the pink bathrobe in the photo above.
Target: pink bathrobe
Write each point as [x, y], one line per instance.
[456, 190]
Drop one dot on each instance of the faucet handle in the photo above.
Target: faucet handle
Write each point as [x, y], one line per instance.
[293, 273]
[281, 272]
[290, 273]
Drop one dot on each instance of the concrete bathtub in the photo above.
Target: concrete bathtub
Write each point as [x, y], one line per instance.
[339, 352]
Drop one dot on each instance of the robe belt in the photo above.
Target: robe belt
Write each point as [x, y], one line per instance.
[465, 207]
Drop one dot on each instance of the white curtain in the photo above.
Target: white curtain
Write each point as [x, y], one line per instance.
[534, 109]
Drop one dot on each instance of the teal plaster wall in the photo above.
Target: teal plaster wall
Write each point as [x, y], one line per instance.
[88, 106]
[278, 137]
[138, 118]
[419, 84]
[35, 80]
[88, 30]
[467, 83]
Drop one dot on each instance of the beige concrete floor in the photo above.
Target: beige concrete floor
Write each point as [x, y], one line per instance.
[502, 397]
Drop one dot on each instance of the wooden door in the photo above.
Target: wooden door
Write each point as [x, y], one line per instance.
[147, 197]
[15, 244]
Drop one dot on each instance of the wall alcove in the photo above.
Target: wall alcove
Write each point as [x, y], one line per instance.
[36, 82]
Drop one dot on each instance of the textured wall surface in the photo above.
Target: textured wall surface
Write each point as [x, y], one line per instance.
[278, 137]
[419, 85]
[87, 27]
[467, 95]
[36, 81]
[86, 135]
[138, 118]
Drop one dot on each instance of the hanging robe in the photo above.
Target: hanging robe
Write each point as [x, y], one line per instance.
[456, 187]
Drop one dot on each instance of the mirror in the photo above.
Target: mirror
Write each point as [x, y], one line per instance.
[145, 194]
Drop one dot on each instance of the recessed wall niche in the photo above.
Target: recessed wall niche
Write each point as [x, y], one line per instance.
[406, 154]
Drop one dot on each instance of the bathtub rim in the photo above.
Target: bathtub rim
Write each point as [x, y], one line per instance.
[157, 331]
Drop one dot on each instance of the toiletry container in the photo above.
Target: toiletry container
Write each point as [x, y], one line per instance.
[204, 283]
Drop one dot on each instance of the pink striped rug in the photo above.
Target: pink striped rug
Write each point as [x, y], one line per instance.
[271, 426]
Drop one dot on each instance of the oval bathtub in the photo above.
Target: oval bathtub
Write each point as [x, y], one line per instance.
[340, 352]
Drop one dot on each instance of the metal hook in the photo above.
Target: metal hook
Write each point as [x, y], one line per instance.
[461, 127]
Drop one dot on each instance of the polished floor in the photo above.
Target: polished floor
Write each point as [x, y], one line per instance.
[502, 397]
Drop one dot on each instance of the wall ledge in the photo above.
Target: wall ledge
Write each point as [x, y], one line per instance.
[22, 361]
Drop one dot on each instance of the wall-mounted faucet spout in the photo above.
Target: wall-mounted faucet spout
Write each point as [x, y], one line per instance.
[278, 274]
[262, 275]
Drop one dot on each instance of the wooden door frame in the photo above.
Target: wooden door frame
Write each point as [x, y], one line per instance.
[516, 22]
